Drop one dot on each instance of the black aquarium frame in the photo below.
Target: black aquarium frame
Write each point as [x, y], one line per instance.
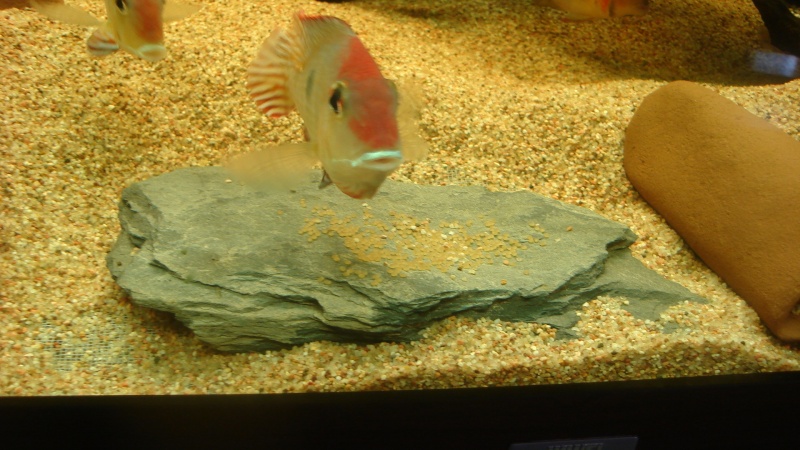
[755, 411]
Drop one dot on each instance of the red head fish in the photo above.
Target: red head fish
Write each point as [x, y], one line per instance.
[135, 26]
[320, 67]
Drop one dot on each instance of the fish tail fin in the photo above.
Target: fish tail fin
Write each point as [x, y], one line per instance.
[276, 168]
[65, 13]
[268, 73]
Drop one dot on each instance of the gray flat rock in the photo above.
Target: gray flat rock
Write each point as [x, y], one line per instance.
[249, 270]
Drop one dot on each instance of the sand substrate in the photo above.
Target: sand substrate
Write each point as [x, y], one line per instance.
[516, 98]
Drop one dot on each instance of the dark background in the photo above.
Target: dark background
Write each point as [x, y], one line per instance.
[757, 411]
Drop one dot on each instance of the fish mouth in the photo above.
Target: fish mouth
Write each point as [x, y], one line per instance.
[382, 160]
[151, 52]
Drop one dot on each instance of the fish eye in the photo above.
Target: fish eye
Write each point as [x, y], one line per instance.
[336, 101]
[122, 5]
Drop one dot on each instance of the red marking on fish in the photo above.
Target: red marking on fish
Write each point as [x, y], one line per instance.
[350, 193]
[375, 122]
[149, 23]
[359, 65]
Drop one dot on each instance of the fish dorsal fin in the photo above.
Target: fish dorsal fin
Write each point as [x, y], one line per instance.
[267, 74]
[288, 50]
[315, 31]
[174, 11]
[65, 13]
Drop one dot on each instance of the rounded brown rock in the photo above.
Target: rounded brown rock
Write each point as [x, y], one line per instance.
[729, 183]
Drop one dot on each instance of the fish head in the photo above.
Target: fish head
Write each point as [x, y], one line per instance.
[137, 26]
[360, 135]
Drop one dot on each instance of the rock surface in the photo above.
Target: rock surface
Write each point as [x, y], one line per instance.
[729, 183]
[249, 270]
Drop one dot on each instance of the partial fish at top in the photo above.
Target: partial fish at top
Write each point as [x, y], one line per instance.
[135, 26]
[597, 9]
[353, 123]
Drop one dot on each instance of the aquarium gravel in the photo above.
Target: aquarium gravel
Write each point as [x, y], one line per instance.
[516, 98]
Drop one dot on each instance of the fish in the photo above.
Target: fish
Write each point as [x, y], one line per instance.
[135, 26]
[776, 63]
[321, 68]
[598, 9]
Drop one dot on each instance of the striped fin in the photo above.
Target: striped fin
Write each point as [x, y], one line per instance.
[267, 75]
[287, 50]
[101, 43]
[314, 31]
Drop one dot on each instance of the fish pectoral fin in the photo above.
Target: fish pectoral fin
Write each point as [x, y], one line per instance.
[66, 14]
[411, 103]
[415, 148]
[101, 43]
[279, 168]
[176, 11]
[325, 181]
